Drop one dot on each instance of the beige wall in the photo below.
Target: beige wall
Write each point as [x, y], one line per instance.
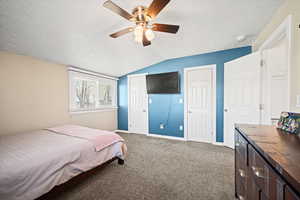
[290, 7]
[34, 95]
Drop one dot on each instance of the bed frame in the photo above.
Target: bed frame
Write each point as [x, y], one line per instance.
[57, 190]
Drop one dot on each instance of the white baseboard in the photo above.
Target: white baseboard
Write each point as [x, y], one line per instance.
[218, 143]
[153, 135]
[121, 131]
[166, 137]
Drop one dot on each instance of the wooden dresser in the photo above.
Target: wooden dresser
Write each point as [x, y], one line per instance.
[267, 163]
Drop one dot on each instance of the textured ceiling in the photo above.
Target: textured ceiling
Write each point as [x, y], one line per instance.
[75, 32]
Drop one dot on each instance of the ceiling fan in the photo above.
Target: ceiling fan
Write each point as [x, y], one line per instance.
[142, 17]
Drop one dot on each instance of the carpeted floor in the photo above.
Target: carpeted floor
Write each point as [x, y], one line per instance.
[160, 169]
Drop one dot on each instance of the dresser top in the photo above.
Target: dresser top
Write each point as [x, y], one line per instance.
[280, 149]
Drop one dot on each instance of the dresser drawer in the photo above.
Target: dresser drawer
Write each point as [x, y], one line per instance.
[289, 194]
[241, 146]
[240, 189]
[270, 184]
[253, 192]
[241, 169]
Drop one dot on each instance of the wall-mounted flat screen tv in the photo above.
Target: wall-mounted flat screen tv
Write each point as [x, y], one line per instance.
[166, 83]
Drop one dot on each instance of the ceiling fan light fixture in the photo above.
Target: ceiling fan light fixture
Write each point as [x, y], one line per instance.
[138, 33]
[149, 34]
[148, 18]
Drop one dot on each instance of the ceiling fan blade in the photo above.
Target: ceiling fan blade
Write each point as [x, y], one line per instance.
[156, 6]
[168, 28]
[116, 9]
[146, 42]
[121, 32]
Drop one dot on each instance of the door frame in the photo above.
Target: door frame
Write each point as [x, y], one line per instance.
[214, 98]
[284, 30]
[128, 100]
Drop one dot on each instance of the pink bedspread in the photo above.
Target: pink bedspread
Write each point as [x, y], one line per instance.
[101, 139]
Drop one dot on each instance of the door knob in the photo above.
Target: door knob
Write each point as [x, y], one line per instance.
[258, 172]
[242, 173]
[240, 197]
[225, 110]
[144, 110]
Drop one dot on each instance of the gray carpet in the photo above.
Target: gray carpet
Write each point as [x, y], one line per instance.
[159, 169]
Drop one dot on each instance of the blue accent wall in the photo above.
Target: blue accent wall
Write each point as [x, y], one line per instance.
[166, 108]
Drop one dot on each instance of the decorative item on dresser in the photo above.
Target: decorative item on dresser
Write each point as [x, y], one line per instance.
[267, 163]
[289, 122]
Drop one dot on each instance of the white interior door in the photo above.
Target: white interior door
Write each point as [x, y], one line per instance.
[275, 81]
[199, 104]
[137, 104]
[241, 94]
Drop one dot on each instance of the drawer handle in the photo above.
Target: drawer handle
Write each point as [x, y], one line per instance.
[242, 173]
[240, 197]
[257, 172]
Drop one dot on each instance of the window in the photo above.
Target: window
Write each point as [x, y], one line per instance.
[90, 93]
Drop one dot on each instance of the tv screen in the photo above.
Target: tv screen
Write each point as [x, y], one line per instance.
[166, 83]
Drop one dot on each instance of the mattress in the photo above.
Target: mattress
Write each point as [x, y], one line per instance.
[31, 164]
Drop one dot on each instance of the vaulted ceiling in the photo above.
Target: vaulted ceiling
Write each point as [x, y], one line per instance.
[76, 32]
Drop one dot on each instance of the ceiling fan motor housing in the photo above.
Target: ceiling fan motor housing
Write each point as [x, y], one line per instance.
[140, 15]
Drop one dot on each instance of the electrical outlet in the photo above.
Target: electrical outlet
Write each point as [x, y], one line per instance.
[161, 126]
[298, 101]
[181, 128]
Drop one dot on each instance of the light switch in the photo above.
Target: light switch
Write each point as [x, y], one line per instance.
[298, 101]
[161, 126]
[181, 128]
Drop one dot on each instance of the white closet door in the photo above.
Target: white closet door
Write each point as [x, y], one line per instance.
[241, 94]
[199, 104]
[137, 105]
[275, 82]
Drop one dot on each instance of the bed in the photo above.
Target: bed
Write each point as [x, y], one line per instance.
[31, 164]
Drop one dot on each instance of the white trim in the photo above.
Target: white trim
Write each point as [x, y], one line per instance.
[128, 100]
[284, 30]
[219, 144]
[153, 135]
[136, 75]
[92, 73]
[214, 105]
[166, 137]
[93, 111]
